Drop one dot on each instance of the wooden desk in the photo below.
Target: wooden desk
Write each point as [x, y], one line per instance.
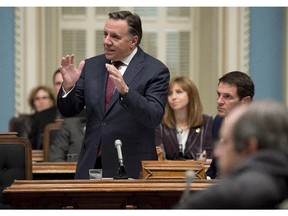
[53, 170]
[66, 170]
[37, 156]
[171, 169]
[99, 194]
[206, 164]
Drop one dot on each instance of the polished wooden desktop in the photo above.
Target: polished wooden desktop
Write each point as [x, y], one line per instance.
[99, 194]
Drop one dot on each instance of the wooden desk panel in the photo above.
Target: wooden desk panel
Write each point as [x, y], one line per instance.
[66, 170]
[37, 156]
[99, 194]
[53, 170]
[171, 169]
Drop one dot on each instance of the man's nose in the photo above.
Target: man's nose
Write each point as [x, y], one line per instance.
[107, 40]
[219, 100]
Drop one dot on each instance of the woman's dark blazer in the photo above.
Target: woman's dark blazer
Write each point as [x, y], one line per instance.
[167, 138]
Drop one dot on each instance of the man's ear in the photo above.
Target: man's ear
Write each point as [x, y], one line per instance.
[134, 41]
[253, 145]
[246, 99]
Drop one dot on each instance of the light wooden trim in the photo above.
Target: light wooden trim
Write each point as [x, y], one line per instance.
[54, 167]
[37, 156]
[171, 169]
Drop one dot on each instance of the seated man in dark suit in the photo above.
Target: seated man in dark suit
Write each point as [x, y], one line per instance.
[233, 89]
[212, 171]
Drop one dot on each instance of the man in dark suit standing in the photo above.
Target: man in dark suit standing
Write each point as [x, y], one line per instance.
[137, 102]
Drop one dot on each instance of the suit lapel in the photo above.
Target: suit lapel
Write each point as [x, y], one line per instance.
[134, 67]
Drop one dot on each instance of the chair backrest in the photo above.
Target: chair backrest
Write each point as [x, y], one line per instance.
[15, 162]
[51, 131]
[20, 124]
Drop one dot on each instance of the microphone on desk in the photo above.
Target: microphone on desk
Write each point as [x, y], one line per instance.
[180, 145]
[121, 174]
[190, 176]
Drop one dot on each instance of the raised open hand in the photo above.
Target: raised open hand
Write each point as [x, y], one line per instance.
[117, 78]
[69, 71]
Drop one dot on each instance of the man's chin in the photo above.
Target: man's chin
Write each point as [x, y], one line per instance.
[109, 56]
[221, 114]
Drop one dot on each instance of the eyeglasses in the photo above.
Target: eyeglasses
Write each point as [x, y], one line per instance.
[41, 98]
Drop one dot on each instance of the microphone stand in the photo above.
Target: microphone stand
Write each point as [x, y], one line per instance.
[180, 153]
[121, 174]
[180, 148]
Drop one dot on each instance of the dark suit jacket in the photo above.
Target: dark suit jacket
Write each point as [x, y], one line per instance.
[212, 171]
[167, 138]
[257, 182]
[39, 120]
[68, 140]
[132, 118]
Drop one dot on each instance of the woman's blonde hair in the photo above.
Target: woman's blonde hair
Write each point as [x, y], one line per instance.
[194, 107]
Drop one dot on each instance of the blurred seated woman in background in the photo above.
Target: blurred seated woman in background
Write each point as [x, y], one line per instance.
[185, 131]
[43, 103]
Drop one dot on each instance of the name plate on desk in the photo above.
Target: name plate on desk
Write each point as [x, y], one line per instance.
[171, 169]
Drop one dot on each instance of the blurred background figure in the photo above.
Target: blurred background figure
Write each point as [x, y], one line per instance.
[43, 103]
[184, 123]
[252, 158]
[69, 140]
[21, 123]
[57, 81]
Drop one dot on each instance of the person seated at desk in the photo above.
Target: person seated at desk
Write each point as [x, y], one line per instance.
[69, 139]
[233, 89]
[252, 157]
[43, 102]
[184, 119]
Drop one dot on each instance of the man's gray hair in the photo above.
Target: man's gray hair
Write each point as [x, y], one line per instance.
[267, 122]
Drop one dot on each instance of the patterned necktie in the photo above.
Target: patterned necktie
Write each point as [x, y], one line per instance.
[109, 92]
[110, 85]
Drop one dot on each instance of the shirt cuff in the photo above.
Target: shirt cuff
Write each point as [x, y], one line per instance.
[66, 93]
